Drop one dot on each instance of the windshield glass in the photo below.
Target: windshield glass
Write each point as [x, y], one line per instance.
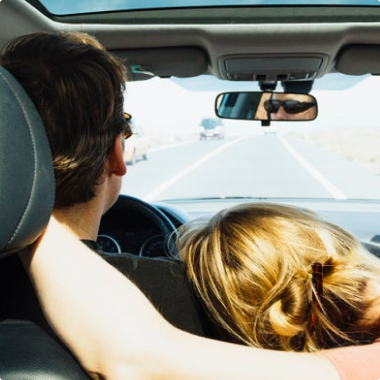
[336, 156]
[84, 6]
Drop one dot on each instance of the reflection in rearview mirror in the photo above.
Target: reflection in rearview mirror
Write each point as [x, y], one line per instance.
[266, 106]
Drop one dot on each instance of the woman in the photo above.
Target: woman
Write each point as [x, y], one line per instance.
[116, 333]
[280, 277]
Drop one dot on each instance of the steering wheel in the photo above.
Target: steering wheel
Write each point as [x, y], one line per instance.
[128, 204]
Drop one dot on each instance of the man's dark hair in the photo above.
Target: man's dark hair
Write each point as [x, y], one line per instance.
[77, 88]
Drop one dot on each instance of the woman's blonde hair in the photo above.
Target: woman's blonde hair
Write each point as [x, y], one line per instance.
[252, 266]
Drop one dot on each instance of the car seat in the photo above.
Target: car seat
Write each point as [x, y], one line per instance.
[27, 351]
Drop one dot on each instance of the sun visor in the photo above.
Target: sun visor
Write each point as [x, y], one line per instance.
[359, 60]
[179, 62]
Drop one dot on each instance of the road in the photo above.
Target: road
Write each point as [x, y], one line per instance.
[269, 165]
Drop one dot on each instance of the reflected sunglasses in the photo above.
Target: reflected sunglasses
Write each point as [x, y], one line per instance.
[127, 130]
[289, 106]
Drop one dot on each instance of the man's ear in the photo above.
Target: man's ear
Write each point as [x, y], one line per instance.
[115, 160]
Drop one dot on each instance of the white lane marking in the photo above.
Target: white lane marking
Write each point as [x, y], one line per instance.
[331, 188]
[175, 145]
[160, 189]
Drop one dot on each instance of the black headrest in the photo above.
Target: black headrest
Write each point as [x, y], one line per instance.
[26, 172]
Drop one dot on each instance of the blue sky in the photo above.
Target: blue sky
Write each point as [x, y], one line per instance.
[75, 6]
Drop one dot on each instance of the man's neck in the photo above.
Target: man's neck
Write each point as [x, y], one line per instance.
[82, 219]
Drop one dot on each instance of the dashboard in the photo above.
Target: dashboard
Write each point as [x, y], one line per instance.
[139, 228]
[144, 229]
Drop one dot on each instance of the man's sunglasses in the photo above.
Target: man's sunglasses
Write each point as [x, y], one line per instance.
[127, 127]
[289, 106]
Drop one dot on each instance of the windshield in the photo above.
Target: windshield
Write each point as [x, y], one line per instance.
[334, 157]
[74, 6]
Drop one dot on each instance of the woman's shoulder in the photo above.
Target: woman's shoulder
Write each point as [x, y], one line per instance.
[360, 362]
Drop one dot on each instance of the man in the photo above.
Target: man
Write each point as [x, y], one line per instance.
[77, 87]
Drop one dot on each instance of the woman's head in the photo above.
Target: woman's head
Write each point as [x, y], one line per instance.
[252, 265]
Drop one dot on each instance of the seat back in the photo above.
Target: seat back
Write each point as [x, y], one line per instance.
[166, 285]
[27, 352]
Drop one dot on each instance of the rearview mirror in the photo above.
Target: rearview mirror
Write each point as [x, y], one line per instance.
[266, 106]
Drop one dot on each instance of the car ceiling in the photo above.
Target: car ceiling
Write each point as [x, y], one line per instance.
[274, 43]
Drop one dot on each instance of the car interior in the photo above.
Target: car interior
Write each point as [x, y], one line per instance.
[292, 45]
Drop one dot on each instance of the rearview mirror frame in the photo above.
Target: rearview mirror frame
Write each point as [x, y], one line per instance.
[266, 106]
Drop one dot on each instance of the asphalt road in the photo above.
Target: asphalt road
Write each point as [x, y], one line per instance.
[267, 165]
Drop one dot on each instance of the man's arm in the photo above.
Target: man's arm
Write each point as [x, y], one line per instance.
[115, 332]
